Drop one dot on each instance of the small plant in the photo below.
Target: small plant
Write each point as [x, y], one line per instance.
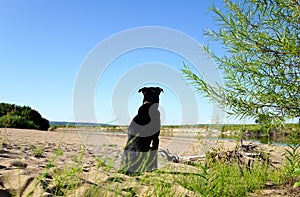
[50, 164]
[292, 156]
[297, 184]
[3, 138]
[61, 180]
[100, 162]
[105, 163]
[66, 179]
[200, 182]
[37, 151]
[58, 152]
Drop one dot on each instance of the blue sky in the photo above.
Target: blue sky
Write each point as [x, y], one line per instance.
[43, 45]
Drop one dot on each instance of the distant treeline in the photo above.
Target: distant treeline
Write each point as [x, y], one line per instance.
[257, 127]
[77, 124]
[13, 116]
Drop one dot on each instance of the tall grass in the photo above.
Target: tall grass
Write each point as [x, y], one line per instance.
[221, 179]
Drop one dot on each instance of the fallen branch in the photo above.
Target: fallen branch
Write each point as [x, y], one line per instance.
[178, 159]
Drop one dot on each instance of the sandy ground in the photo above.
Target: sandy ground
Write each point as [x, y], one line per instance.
[20, 163]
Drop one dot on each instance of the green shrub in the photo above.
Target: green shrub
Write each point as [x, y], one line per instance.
[21, 117]
[16, 121]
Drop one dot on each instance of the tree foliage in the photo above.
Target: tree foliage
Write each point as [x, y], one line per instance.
[261, 64]
[21, 117]
[16, 121]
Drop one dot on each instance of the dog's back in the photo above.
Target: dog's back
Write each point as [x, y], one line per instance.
[144, 129]
[141, 149]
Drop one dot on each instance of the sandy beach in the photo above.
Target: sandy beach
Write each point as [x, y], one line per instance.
[25, 155]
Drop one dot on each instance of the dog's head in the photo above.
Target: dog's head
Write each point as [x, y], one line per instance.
[151, 94]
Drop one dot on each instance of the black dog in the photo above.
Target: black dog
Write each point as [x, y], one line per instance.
[140, 153]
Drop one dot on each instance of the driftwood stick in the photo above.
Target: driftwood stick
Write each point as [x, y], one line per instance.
[176, 159]
[191, 158]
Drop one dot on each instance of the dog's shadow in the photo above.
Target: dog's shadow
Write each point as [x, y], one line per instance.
[177, 173]
[157, 171]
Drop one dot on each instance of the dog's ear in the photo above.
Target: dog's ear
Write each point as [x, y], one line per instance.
[160, 89]
[142, 90]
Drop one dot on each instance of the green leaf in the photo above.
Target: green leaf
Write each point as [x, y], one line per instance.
[297, 184]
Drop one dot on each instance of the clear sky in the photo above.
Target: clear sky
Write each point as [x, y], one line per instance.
[44, 44]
